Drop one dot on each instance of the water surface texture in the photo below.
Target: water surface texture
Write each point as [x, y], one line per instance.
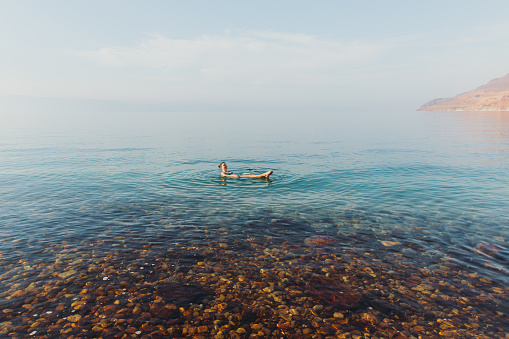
[383, 224]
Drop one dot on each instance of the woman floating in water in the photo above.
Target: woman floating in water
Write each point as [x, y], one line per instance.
[225, 173]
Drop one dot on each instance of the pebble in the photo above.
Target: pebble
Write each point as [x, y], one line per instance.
[74, 318]
[275, 289]
[390, 243]
[67, 273]
[256, 327]
[318, 308]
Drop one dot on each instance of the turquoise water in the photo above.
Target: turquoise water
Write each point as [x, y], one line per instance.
[437, 183]
[445, 173]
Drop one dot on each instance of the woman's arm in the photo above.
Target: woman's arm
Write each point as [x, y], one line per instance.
[230, 175]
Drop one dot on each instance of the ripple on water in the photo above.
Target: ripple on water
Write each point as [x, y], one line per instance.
[106, 228]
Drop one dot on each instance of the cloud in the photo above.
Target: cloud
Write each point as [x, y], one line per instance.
[496, 32]
[249, 58]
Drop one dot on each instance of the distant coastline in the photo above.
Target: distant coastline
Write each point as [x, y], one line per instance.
[494, 96]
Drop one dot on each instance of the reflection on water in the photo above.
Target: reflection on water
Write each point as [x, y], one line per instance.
[391, 225]
[482, 131]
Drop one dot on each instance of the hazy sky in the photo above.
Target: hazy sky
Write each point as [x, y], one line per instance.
[252, 54]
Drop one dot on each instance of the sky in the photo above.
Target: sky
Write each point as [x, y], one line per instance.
[251, 55]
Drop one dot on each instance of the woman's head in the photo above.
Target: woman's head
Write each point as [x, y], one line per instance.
[223, 166]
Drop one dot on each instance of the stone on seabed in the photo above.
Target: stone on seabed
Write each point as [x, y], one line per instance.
[269, 288]
[74, 318]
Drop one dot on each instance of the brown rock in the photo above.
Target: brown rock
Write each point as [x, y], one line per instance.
[147, 328]
[284, 325]
[164, 312]
[146, 315]
[370, 318]
[181, 294]
[131, 330]
[74, 318]
[67, 273]
[109, 309]
[319, 240]
[333, 293]
[488, 249]
[18, 294]
[256, 327]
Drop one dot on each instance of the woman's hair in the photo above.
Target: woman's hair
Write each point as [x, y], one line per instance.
[221, 164]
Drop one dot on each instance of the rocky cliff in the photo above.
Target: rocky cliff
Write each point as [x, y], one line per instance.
[494, 96]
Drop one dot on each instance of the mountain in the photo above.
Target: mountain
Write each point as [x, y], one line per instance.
[494, 96]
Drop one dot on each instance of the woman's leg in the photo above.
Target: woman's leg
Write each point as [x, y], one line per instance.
[264, 175]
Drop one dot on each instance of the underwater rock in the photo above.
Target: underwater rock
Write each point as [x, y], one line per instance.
[164, 312]
[67, 273]
[253, 314]
[74, 318]
[488, 249]
[181, 294]
[390, 243]
[333, 293]
[319, 240]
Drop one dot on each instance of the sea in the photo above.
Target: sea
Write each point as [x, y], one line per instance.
[405, 211]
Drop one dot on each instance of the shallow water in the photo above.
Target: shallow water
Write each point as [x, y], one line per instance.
[92, 198]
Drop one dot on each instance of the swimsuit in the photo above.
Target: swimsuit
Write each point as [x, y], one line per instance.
[228, 173]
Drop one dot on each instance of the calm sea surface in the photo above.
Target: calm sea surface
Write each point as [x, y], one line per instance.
[429, 188]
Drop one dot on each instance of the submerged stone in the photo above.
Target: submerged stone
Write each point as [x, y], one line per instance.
[74, 318]
[181, 294]
[319, 240]
[333, 293]
[67, 273]
[390, 243]
[488, 249]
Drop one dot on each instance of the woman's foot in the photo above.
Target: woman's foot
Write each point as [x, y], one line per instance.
[267, 174]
